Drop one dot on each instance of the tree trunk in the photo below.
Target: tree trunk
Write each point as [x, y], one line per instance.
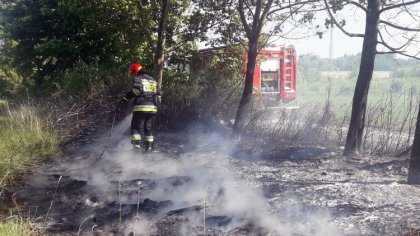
[414, 167]
[253, 34]
[357, 121]
[247, 94]
[159, 53]
[159, 63]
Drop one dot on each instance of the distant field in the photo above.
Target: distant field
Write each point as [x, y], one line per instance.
[347, 74]
[383, 90]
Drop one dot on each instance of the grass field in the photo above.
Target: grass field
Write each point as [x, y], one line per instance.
[14, 227]
[348, 74]
[398, 91]
[24, 138]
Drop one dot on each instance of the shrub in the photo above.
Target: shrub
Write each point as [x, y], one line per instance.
[211, 91]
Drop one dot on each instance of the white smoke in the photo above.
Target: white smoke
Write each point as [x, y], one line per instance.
[214, 181]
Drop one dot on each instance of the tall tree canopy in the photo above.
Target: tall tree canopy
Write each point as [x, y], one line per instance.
[48, 37]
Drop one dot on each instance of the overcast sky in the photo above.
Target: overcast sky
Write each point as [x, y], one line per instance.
[341, 45]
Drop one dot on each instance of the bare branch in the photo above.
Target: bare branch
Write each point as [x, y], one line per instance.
[267, 9]
[249, 7]
[243, 18]
[398, 5]
[264, 15]
[398, 26]
[409, 13]
[357, 4]
[401, 53]
[338, 25]
[256, 19]
[291, 5]
[382, 42]
[175, 47]
[281, 23]
[413, 39]
[397, 50]
[306, 11]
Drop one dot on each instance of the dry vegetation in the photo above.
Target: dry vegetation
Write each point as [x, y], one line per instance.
[389, 127]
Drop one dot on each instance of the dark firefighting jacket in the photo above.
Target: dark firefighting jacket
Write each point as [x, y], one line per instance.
[145, 93]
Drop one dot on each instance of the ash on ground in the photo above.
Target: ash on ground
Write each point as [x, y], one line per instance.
[205, 184]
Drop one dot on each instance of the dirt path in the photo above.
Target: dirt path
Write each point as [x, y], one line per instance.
[202, 184]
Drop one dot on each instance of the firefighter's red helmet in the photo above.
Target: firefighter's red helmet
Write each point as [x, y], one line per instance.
[135, 68]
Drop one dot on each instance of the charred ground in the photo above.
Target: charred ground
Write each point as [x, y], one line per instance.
[201, 183]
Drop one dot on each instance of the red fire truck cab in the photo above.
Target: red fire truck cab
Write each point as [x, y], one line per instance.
[275, 76]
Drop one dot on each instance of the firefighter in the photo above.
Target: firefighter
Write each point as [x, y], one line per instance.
[146, 96]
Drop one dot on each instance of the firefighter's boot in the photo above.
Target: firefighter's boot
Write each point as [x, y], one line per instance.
[136, 141]
[136, 145]
[148, 144]
[148, 147]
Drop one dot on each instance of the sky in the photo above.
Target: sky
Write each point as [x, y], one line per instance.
[339, 44]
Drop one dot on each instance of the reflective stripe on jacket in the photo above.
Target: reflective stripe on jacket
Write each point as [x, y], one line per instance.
[145, 108]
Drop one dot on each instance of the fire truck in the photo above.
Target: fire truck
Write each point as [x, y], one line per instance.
[274, 84]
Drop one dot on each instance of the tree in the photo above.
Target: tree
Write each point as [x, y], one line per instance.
[252, 24]
[46, 38]
[167, 27]
[158, 47]
[414, 166]
[254, 15]
[377, 13]
[253, 33]
[159, 56]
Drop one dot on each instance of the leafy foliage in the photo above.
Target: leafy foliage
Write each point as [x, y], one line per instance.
[210, 91]
[9, 81]
[47, 38]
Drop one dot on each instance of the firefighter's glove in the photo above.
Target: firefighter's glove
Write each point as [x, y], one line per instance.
[159, 99]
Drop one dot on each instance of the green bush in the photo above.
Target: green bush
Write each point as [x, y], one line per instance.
[87, 80]
[10, 82]
[211, 91]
